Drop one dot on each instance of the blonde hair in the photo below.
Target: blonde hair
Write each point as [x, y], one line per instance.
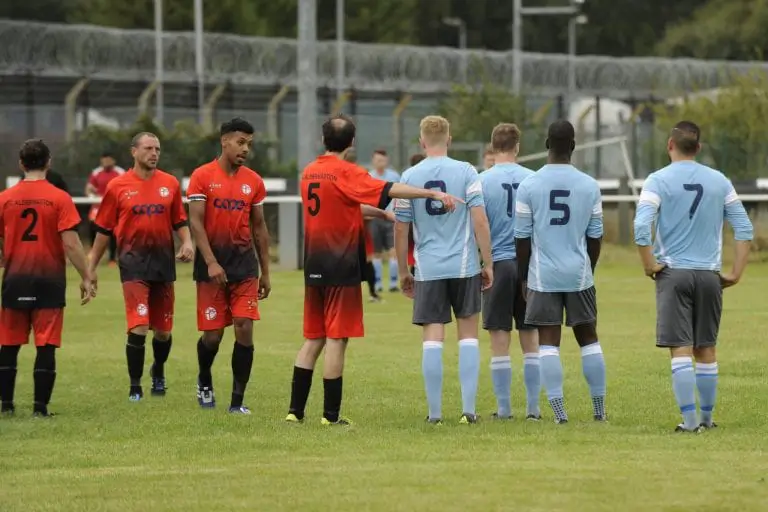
[505, 138]
[434, 130]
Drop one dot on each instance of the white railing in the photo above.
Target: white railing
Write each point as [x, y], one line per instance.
[612, 199]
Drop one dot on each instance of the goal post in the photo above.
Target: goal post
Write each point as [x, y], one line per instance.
[614, 153]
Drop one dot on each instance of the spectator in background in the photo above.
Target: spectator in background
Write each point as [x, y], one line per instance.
[488, 159]
[382, 231]
[96, 187]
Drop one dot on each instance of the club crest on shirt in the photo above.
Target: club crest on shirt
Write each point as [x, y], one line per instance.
[164, 192]
[246, 190]
[214, 186]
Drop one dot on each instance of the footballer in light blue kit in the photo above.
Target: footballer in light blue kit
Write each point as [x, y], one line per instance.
[503, 303]
[558, 234]
[448, 273]
[381, 230]
[689, 202]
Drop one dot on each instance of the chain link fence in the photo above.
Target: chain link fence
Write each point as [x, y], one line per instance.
[55, 50]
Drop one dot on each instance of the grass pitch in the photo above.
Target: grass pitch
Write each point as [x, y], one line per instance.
[103, 453]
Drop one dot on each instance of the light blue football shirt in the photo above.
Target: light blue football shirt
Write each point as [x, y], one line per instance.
[444, 243]
[689, 201]
[388, 175]
[500, 184]
[558, 208]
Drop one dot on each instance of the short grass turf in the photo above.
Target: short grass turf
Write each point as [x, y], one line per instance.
[102, 453]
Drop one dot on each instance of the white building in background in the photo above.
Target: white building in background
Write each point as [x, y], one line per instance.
[615, 119]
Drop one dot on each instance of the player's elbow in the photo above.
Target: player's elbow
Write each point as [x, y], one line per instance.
[71, 241]
[744, 233]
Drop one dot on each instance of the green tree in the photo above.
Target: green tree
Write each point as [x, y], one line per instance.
[721, 29]
[616, 27]
[474, 111]
[733, 124]
[184, 147]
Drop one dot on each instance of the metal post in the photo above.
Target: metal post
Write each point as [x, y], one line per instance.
[463, 48]
[340, 57]
[159, 64]
[571, 62]
[397, 129]
[209, 119]
[70, 109]
[199, 60]
[273, 123]
[517, 46]
[307, 81]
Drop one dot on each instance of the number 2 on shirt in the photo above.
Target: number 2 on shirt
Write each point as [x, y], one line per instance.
[430, 204]
[510, 197]
[695, 187]
[554, 206]
[29, 233]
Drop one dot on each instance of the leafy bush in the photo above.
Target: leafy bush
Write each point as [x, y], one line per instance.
[184, 147]
[733, 122]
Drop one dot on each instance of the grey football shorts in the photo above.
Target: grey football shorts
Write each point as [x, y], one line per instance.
[382, 235]
[689, 304]
[546, 308]
[503, 302]
[434, 300]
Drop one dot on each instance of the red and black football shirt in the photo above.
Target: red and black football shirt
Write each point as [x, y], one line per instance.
[143, 214]
[33, 214]
[229, 199]
[332, 191]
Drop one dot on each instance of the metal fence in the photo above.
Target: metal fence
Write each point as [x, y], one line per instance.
[56, 50]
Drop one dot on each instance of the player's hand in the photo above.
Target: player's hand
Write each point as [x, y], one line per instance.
[217, 274]
[524, 290]
[87, 290]
[487, 275]
[449, 201]
[406, 285]
[655, 269]
[728, 280]
[186, 252]
[390, 216]
[265, 286]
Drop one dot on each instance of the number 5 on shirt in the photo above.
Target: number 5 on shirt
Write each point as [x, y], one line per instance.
[313, 209]
[556, 206]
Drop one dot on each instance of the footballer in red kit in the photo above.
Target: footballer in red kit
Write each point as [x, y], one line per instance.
[142, 208]
[332, 192]
[227, 222]
[38, 232]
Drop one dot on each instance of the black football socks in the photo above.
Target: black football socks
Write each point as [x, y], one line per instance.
[44, 377]
[134, 354]
[242, 361]
[300, 386]
[206, 354]
[161, 350]
[332, 399]
[9, 356]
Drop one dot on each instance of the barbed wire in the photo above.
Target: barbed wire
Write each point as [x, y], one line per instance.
[56, 50]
